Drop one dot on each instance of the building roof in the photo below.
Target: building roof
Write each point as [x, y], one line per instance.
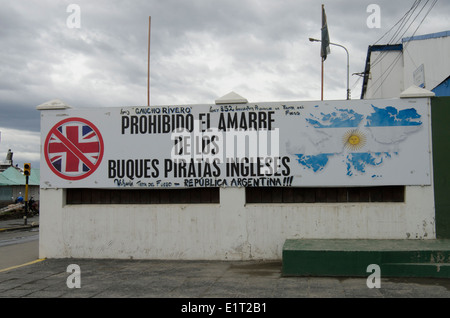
[427, 36]
[13, 176]
[376, 48]
[399, 47]
[4, 181]
[443, 89]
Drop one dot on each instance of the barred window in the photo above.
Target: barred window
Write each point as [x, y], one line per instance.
[321, 195]
[141, 196]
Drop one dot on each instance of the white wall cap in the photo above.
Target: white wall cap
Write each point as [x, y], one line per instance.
[416, 91]
[231, 98]
[53, 104]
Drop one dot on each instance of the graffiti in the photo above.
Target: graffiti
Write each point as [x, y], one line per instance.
[155, 124]
[137, 168]
[263, 171]
[208, 182]
[292, 110]
[163, 110]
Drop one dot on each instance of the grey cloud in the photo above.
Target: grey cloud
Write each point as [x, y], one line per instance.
[255, 37]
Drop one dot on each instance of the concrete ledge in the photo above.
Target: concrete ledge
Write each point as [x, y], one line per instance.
[396, 258]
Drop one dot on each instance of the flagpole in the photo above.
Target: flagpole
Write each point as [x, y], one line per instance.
[148, 61]
[321, 95]
[322, 14]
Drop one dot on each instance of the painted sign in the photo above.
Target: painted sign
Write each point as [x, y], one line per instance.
[294, 144]
[419, 76]
[73, 148]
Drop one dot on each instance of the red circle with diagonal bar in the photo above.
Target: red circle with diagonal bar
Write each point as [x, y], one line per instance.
[73, 148]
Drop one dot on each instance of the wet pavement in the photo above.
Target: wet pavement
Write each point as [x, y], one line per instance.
[225, 280]
[196, 279]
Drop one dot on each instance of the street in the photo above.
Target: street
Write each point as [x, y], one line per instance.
[18, 247]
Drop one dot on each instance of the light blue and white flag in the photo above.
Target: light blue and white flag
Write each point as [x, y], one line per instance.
[353, 145]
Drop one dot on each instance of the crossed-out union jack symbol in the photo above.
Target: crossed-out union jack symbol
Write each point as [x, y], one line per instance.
[73, 148]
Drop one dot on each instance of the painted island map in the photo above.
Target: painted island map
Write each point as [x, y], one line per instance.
[366, 140]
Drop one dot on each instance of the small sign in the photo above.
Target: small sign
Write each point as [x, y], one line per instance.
[73, 148]
[419, 76]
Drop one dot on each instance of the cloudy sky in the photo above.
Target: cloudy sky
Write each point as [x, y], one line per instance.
[200, 51]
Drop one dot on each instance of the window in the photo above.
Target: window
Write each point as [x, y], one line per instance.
[138, 196]
[320, 195]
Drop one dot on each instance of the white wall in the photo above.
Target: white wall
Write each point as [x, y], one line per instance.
[386, 75]
[395, 69]
[231, 230]
[433, 54]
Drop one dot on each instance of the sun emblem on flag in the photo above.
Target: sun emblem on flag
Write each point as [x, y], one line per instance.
[354, 140]
[73, 148]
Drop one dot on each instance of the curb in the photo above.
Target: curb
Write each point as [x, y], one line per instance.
[22, 265]
[20, 227]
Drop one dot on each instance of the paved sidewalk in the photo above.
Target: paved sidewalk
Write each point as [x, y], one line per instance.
[197, 279]
[193, 279]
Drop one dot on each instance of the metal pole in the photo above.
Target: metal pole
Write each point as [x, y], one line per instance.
[148, 62]
[26, 201]
[348, 69]
[348, 64]
[321, 93]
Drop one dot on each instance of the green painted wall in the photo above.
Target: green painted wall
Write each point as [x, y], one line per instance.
[440, 123]
[6, 193]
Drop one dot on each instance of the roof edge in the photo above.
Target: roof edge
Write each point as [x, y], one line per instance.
[427, 36]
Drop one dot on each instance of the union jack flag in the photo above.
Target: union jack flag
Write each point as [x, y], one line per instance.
[73, 148]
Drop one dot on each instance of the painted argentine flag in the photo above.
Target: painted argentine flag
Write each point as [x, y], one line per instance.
[360, 141]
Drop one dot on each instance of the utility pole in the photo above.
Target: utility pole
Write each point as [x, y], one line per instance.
[148, 61]
[27, 173]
